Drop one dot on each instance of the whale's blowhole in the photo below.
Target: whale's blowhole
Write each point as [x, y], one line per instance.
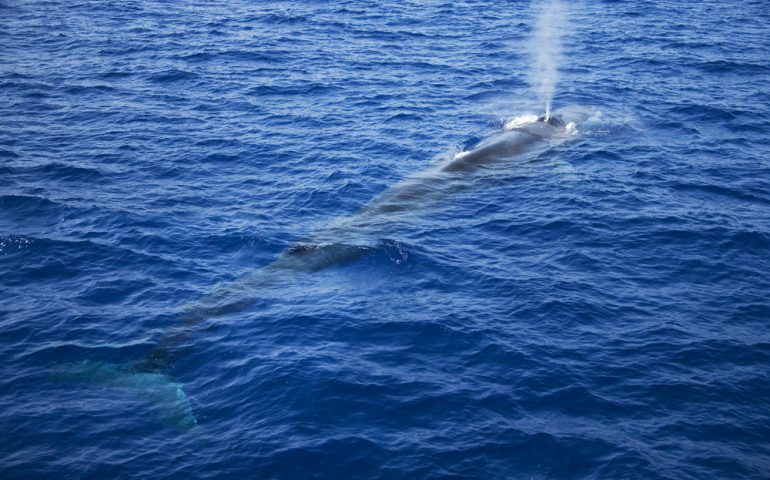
[552, 120]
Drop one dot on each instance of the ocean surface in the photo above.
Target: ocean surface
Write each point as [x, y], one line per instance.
[598, 308]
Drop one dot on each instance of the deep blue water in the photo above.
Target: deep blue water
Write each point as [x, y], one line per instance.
[599, 309]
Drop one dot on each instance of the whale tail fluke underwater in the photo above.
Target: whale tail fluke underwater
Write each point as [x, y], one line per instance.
[158, 389]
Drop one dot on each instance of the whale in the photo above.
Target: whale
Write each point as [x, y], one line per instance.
[336, 244]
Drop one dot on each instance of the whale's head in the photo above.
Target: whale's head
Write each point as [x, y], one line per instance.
[552, 120]
[555, 125]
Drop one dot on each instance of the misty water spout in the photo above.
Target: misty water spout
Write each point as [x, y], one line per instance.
[546, 51]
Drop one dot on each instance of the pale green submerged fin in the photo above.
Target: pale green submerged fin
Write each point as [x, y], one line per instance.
[156, 388]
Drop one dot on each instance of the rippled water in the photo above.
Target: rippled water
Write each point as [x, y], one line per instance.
[597, 309]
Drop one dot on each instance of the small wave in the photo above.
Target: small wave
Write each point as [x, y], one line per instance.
[62, 172]
[301, 89]
[112, 292]
[221, 158]
[747, 241]
[114, 74]
[58, 259]
[734, 68]
[399, 117]
[233, 55]
[27, 204]
[8, 154]
[705, 112]
[89, 89]
[236, 242]
[283, 19]
[172, 75]
[483, 95]
[722, 191]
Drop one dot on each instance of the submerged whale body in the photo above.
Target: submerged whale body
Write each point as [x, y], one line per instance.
[330, 247]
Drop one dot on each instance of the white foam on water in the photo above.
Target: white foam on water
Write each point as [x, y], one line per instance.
[520, 120]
